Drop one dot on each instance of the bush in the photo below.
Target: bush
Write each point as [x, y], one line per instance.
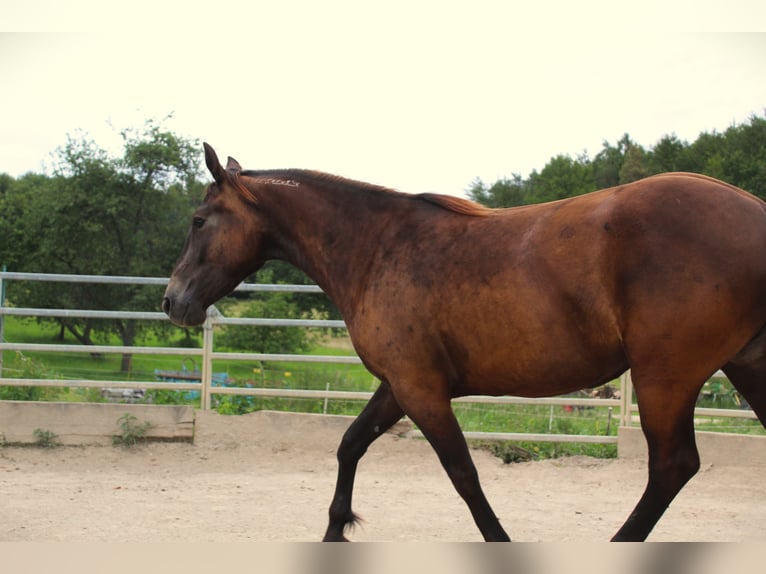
[30, 369]
[131, 432]
[45, 438]
[267, 339]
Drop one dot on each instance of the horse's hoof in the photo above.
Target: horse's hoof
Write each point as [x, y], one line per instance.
[340, 539]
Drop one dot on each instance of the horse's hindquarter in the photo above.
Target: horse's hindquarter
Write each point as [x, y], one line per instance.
[691, 276]
[540, 300]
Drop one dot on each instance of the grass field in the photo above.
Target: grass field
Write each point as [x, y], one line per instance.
[298, 375]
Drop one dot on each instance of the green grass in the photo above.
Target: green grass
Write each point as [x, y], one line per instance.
[81, 365]
[319, 376]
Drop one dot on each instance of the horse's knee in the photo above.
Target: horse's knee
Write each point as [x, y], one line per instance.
[351, 448]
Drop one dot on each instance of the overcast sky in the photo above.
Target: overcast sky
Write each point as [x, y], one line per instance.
[418, 96]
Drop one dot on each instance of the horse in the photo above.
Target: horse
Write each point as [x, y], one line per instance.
[444, 298]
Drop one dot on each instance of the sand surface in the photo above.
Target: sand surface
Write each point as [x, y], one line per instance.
[270, 477]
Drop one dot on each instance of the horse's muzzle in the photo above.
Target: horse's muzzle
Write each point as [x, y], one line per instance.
[182, 312]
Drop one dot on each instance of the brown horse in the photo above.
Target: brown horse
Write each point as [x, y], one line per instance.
[443, 298]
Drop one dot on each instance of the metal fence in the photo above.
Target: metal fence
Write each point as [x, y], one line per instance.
[627, 410]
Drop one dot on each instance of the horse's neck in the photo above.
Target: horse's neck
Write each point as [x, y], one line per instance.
[333, 238]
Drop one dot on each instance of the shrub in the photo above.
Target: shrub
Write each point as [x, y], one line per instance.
[45, 438]
[267, 339]
[131, 432]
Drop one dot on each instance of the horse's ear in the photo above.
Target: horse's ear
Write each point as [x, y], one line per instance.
[215, 167]
[233, 167]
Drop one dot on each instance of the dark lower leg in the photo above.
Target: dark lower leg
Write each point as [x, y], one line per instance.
[663, 486]
[673, 460]
[378, 416]
[446, 437]
[466, 482]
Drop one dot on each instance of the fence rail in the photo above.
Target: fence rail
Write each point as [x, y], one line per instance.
[627, 410]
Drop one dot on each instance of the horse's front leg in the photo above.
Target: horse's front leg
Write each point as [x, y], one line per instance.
[380, 414]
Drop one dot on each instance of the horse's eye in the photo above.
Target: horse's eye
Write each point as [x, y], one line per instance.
[198, 222]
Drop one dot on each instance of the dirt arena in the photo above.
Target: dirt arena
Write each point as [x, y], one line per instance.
[269, 477]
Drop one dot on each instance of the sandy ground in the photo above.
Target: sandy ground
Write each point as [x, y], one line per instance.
[269, 477]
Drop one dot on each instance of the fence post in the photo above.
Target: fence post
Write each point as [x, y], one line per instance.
[207, 357]
[2, 318]
[626, 399]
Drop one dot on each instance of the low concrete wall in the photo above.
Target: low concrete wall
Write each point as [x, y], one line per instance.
[714, 448]
[97, 423]
[90, 423]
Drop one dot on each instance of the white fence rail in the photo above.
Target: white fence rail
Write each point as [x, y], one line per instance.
[624, 405]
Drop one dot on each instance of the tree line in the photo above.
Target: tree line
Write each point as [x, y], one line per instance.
[737, 156]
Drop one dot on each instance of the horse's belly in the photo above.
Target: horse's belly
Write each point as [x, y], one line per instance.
[544, 375]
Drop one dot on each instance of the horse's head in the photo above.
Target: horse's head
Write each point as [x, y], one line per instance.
[224, 245]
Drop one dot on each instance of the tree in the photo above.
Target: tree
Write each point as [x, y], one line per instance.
[704, 155]
[737, 156]
[742, 159]
[109, 216]
[667, 155]
[634, 164]
[305, 304]
[267, 339]
[503, 193]
[19, 231]
[608, 162]
[6, 181]
[562, 177]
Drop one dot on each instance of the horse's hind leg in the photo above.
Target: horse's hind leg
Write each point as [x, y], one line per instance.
[747, 372]
[380, 413]
[751, 384]
[667, 419]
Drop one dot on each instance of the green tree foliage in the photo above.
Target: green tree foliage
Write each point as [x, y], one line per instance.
[561, 177]
[127, 215]
[266, 339]
[20, 232]
[503, 193]
[668, 155]
[741, 159]
[634, 164]
[102, 215]
[737, 156]
[305, 304]
[608, 162]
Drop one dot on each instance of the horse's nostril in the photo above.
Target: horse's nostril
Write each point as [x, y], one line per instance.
[166, 305]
